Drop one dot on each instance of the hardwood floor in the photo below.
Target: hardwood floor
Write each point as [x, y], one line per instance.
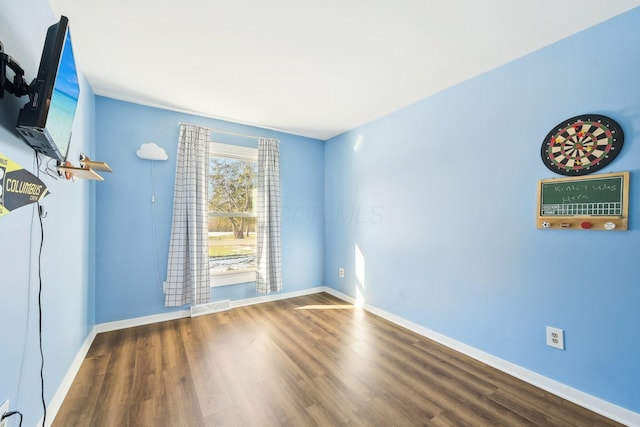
[307, 361]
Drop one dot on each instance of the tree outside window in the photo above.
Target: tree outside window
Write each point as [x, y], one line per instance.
[232, 216]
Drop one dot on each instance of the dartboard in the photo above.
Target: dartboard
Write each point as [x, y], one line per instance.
[582, 145]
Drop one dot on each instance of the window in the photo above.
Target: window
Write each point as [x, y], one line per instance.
[232, 196]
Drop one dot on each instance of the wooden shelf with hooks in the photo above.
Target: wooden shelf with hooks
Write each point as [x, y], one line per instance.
[99, 166]
[84, 173]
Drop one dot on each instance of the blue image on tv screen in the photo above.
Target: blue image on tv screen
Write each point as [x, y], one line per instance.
[64, 99]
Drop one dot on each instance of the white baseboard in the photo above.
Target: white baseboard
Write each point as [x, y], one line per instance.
[56, 401]
[277, 296]
[139, 321]
[602, 407]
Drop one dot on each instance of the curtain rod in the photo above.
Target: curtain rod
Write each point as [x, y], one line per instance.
[227, 132]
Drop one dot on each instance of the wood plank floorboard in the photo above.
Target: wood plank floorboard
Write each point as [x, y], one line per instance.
[307, 361]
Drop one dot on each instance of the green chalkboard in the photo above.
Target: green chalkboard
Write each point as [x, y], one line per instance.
[601, 195]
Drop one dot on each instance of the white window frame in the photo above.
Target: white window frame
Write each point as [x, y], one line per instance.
[238, 152]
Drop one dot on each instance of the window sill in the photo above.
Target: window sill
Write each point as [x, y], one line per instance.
[232, 278]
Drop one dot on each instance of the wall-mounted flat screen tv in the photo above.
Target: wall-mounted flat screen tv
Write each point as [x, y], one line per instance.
[46, 121]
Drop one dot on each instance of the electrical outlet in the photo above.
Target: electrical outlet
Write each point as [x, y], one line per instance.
[341, 272]
[555, 337]
[5, 407]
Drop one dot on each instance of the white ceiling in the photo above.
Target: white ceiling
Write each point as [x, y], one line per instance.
[312, 68]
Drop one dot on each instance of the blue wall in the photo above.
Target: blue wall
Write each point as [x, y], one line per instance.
[127, 286]
[440, 199]
[67, 273]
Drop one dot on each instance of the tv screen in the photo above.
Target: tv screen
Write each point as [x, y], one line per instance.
[45, 122]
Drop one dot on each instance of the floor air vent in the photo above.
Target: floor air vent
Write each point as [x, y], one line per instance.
[211, 307]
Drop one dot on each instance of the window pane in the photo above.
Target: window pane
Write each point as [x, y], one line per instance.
[232, 185]
[232, 222]
[232, 244]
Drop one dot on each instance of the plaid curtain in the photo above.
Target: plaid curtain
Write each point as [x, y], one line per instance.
[268, 270]
[188, 265]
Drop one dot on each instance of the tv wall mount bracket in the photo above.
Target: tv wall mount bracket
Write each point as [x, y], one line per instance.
[18, 86]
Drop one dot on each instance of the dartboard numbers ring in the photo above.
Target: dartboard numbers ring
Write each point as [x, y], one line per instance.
[582, 145]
